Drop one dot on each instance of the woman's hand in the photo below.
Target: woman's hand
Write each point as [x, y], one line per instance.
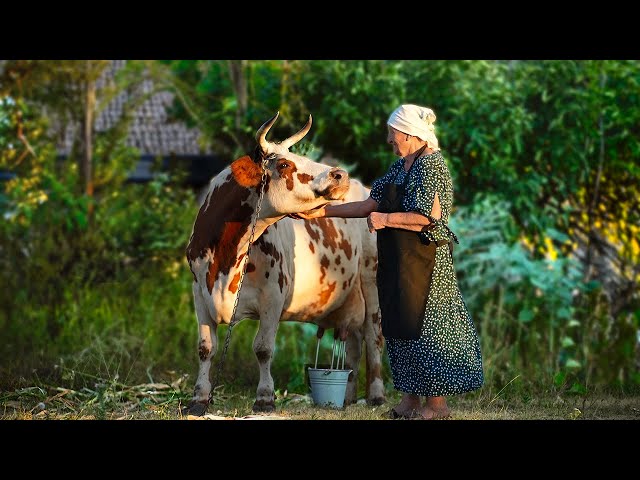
[376, 221]
[309, 214]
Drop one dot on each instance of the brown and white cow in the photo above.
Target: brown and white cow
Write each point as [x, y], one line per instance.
[320, 271]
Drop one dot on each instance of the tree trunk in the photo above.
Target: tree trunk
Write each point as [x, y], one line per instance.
[86, 162]
[239, 83]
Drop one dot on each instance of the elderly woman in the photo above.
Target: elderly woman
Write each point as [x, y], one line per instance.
[431, 339]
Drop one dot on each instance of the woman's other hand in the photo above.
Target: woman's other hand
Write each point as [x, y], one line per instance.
[376, 221]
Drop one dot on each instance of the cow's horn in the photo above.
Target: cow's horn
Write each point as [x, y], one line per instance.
[295, 138]
[261, 134]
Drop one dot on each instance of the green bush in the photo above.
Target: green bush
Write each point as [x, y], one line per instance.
[531, 313]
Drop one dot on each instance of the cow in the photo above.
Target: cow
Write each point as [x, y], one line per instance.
[320, 271]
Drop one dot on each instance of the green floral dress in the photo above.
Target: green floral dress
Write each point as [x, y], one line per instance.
[446, 359]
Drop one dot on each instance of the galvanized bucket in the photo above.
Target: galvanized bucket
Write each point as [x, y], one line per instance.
[329, 385]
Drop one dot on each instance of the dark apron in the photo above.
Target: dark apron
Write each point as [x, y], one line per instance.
[405, 268]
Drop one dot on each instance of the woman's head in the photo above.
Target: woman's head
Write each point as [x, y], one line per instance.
[415, 121]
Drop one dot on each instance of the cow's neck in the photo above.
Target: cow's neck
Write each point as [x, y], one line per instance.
[222, 229]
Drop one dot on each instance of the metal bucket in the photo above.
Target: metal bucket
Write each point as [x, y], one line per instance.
[328, 386]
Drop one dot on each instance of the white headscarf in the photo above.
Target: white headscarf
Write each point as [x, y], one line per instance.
[417, 121]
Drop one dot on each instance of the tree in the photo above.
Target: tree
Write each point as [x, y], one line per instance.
[72, 93]
[66, 87]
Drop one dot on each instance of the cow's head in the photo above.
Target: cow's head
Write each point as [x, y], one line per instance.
[293, 183]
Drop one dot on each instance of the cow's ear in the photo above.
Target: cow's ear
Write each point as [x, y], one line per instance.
[246, 172]
[258, 154]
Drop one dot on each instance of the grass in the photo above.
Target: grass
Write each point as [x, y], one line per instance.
[111, 400]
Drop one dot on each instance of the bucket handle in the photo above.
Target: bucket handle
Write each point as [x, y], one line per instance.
[340, 351]
[317, 350]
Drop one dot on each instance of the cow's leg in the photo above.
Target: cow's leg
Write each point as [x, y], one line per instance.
[354, 353]
[207, 346]
[374, 342]
[263, 347]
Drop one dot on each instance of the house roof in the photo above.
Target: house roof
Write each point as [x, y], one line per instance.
[150, 131]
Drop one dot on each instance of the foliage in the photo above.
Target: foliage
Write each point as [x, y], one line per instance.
[556, 138]
[527, 309]
[544, 158]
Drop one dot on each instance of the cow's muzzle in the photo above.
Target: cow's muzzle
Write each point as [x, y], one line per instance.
[337, 186]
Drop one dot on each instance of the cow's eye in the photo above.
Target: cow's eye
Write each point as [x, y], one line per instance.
[283, 165]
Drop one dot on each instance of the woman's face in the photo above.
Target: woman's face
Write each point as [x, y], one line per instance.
[399, 141]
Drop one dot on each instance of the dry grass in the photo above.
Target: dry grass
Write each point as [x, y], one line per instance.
[163, 401]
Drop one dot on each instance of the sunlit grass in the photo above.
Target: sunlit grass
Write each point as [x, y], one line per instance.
[111, 400]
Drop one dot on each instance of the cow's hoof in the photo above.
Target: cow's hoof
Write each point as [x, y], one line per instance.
[264, 406]
[350, 400]
[196, 409]
[376, 401]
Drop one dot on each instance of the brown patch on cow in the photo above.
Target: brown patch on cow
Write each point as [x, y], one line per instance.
[286, 169]
[281, 280]
[350, 278]
[375, 317]
[233, 286]
[312, 233]
[355, 252]
[324, 265]
[311, 247]
[345, 246]
[203, 351]
[342, 270]
[263, 356]
[221, 223]
[329, 233]
[380, 340]
[344, 285]
[305, 177]
[338, 260]
[266, 274]
[246, 172]
[251, 267]
[270, 249]
[325, 295]
[225, 253]
[366, 262]
[212, 274]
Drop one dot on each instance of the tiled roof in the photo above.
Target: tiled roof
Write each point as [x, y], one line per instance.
[150, 130]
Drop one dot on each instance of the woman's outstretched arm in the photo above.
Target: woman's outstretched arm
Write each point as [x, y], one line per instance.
[359, 209]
